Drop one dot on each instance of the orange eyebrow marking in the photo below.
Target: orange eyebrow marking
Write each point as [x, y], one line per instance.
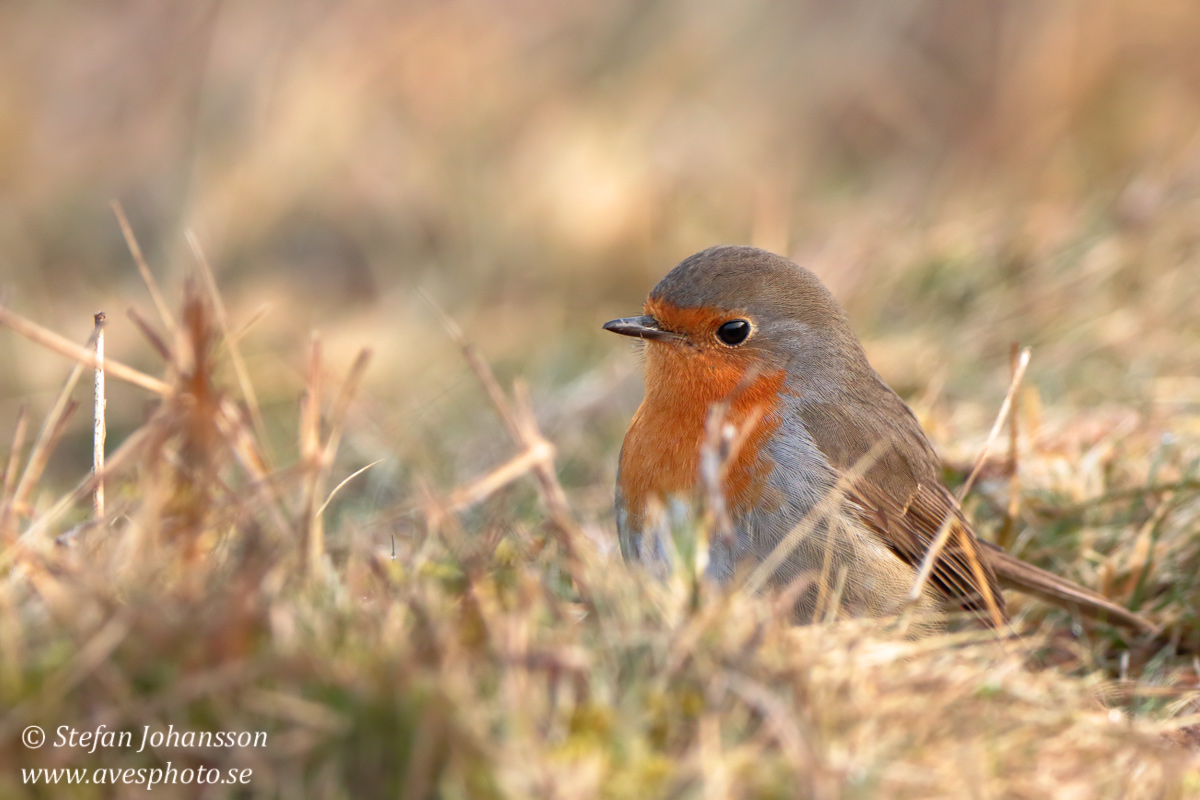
[695, 321]
[661, 454]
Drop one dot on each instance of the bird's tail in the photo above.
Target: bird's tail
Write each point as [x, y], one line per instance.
[1014, 573]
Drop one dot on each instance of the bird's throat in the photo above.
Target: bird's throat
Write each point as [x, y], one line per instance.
[660, 459]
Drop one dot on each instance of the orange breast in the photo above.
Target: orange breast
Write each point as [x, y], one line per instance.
[661, 454]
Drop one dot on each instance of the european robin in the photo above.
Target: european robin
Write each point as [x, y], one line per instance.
[824, 477]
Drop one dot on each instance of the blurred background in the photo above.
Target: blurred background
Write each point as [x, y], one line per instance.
[963, 174]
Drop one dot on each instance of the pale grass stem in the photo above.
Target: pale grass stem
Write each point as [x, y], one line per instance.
[83, 355]
[1007, 532]
[55, 421]
[235, 352]
[345, 481]
[99, 428]
[310, 455]
[722, 444]
[164, 311]
[317, 456]
[1014, 386]
[129, 449]
[52, 427]
[486, 485]
[522, 427]
[948, 526]
[10, 476]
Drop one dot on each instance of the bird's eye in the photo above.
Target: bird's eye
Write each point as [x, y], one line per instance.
[734, 332]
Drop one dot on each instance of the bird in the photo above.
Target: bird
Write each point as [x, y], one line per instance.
[762, 414]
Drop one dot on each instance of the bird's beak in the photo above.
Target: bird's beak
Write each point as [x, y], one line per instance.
[642, 328]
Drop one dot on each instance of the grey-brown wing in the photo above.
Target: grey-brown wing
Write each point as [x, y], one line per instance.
[892, 477]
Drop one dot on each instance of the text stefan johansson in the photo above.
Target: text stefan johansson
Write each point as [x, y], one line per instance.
[102, 738]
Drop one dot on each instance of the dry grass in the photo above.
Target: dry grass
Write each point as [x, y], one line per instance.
[511, 657]
[455, 621]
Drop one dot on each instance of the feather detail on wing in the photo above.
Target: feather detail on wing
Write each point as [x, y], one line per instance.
[892, 480]
[960, 572]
